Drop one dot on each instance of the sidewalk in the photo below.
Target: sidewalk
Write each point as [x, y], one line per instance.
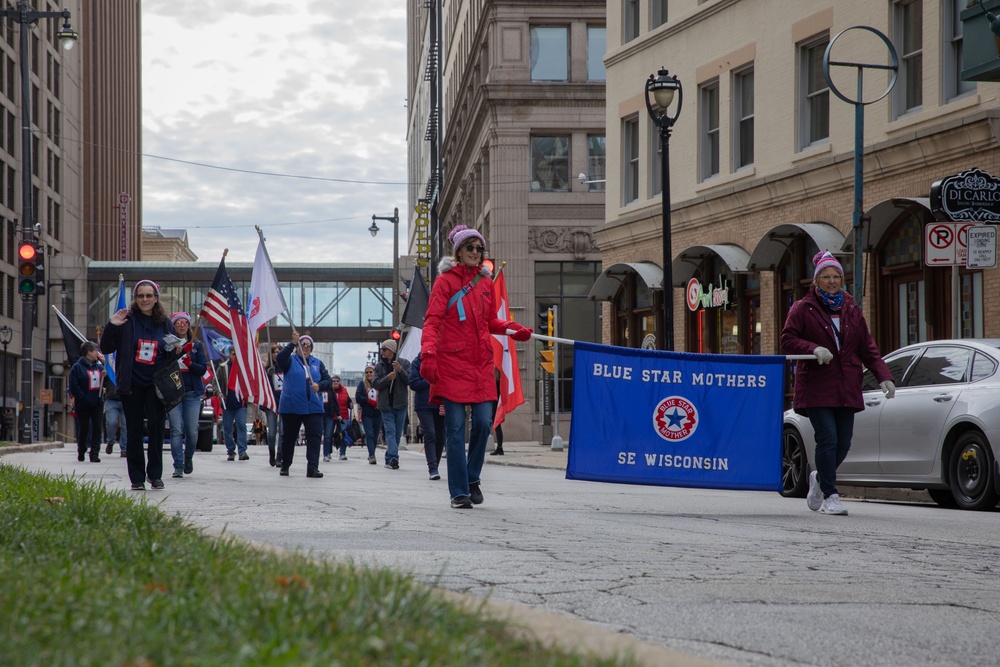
[529, 454]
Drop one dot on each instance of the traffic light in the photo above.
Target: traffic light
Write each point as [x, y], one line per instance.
[395, 335]
[547, 323]
[548, 362]
[27, 269]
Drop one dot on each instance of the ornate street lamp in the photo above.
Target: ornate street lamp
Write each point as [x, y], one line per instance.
[6, 335]
[394, 219]
[660, 91]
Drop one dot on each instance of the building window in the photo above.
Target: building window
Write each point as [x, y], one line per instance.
[550, 164]
[630, 160]
[952, 51]
[709, 128]
[597, 39]
[908, 38]
[549, 54]
[814, 95]
[596, 163]
[657, 13]
[630, 20]
[743, 84]
[655, 160]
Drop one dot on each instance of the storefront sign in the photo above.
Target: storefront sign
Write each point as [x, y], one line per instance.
[970, 195]
[712, 297]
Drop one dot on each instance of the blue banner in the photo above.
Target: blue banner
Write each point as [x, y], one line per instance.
[676, 418]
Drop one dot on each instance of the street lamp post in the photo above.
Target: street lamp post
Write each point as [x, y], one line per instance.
[660, 89]
[394, 219]
[6, 335]
[26, 16]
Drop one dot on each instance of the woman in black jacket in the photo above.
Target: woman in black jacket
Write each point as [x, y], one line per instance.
[371, 418]
[138, 335]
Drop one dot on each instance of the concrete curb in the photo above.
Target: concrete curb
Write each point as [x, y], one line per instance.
[33, 447]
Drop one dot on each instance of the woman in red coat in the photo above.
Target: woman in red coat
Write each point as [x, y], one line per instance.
[456, 356]
[828, 324]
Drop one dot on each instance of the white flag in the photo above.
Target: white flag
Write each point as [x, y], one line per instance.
[266, 300]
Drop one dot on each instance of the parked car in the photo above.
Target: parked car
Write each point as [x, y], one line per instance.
[940, 433]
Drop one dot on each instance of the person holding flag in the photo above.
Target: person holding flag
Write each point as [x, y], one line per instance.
[305, 377]
[456, 357]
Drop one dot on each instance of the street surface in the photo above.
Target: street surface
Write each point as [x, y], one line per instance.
[740, 577]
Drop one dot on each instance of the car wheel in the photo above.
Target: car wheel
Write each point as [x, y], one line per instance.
[794, 465]
[943, 497]
[970, 473]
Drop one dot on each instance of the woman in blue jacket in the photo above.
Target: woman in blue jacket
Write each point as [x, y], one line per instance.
[305, 377]
[184, 416]
[137, 334]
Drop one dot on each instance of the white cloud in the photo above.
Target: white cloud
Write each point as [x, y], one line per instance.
[311, 89]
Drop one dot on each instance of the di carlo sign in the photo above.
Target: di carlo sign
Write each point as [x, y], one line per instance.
[971, 195]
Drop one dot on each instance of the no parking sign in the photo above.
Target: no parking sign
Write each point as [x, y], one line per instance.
[946, 243]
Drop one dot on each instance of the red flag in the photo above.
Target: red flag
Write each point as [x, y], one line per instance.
[223, 309]
[505, 358]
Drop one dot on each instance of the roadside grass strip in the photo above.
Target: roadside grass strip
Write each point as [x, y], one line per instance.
[90, 576]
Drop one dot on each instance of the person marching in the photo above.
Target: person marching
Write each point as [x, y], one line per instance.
[184, 416]
[342, 406]
[276, 378]
[114, 417]
[138, 335]
[828, 324]
[371, 418]
[391, 378]
[431, 419]
[234, 412]
[85, 387]
[305, 377]
[456, 357]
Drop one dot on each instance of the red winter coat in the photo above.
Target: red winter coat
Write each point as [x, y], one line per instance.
[463, 349]
[837, 384]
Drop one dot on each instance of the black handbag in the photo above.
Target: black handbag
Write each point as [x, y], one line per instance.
[354, 430]
[169, 385]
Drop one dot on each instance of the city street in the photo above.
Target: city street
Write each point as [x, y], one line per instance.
[739, 577]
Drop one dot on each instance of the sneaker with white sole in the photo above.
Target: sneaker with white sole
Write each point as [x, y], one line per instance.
[815, 496]
[326, 459]
[831, 505]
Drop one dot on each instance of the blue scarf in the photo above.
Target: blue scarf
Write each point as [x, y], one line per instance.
[833, 302]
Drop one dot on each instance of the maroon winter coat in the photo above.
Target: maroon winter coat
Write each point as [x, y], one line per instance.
[837, 384]
[463, 349]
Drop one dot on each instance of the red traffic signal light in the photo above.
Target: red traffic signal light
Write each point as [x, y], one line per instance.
[27, 269]
[395, 335]
[27, 252]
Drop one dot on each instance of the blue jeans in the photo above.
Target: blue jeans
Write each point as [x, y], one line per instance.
[113, 416]
[393, 420]
[329, 427]
[462, 470]
[273, 433]
[833, 428]
[184, 428]
[372, 426]
[239, 417]
[433, 426]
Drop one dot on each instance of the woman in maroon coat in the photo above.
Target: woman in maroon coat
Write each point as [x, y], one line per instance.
[828, 324]
[456, 357]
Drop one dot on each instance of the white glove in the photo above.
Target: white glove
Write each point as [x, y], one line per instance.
[888, 388]
[823, 355]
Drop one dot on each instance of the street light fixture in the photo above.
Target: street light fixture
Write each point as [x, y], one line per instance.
[6, 335]
[26, 17]
[660, 91]
[394, 219]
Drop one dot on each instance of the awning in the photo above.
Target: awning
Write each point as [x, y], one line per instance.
[885, 214]
[773, 245]
[610, 281]
[685, 264]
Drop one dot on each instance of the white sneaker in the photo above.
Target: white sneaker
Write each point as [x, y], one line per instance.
[815, 496]
[832, 505]
[326, 459]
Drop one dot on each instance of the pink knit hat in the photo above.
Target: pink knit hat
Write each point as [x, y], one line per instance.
[461, 234]
[823, 259]
[181, 315]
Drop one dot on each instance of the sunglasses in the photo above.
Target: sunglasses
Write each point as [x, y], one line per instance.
[145, 296]
[475, 248]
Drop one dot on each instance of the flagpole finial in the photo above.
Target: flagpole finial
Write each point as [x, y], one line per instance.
[121, 277]
[225, 252]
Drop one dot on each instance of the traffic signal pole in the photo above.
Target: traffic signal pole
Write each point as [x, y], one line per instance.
[557, 441]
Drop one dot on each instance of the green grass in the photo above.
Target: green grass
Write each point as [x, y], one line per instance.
[93, 577]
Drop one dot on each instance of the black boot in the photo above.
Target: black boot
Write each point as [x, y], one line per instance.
[498, 451]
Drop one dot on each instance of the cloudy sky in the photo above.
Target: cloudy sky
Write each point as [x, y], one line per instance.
[311, 93]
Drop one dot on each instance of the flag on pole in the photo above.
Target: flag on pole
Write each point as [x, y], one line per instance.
[111, 359]
[265, 300]
[71, 337]
[413, 316]
[216, 344]
[505, 358]
[223, 309]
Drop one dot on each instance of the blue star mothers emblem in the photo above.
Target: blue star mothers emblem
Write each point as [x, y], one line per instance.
[676, 418]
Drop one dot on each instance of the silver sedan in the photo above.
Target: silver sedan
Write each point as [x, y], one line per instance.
[940, 433]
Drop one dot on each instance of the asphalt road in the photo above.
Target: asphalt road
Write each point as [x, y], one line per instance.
[740, 577]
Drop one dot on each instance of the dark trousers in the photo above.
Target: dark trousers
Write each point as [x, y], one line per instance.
[88, 430]
[143, 403]
[432, 424]
[834, 428]
[314, 437]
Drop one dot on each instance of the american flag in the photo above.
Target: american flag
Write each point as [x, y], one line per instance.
[223, 309]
